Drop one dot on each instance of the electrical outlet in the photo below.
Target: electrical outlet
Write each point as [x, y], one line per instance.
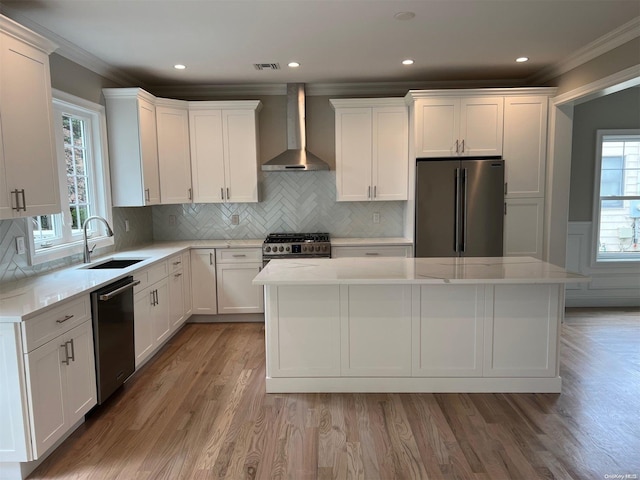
[235, 219]
[126, 225]
[376, 217]
[20, 248]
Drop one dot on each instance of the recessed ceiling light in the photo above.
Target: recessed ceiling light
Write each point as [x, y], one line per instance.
[179, 67]
[522, 59]
[408, 61]
[404, 15]
[293, 64]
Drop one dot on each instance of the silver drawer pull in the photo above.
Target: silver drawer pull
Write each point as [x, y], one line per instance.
[238, 255]
[66, 353]
[177, 263]
[372, 254]
[108, 296]
[178, 275]
[64, 319]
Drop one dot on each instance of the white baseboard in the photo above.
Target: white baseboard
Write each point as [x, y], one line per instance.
[229, 318]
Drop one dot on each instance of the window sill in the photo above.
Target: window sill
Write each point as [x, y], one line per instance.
[67, 250]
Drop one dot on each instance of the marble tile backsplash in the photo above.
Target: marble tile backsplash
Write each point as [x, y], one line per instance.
[290, 202]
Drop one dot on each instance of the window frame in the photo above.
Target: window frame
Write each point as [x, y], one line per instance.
[614, 260]
[99, 169]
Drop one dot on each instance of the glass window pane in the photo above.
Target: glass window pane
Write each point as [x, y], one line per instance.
[66, 130]
[79, 161]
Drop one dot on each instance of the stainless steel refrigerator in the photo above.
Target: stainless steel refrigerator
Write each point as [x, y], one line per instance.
[459, 207]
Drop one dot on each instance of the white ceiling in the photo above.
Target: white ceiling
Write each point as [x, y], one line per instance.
[336, 41]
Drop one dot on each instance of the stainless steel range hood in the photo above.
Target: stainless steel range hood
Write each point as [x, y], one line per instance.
[296, 157]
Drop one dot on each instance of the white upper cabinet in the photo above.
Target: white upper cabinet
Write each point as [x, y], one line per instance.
[29, 180]
[459, 126]
[174, 159]
[224, 151]
[525, 145]
[133, 147]
[372, 155]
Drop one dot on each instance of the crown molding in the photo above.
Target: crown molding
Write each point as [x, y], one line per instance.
[600, 46]
[15, 29]
[193, 92]
[72, 52]
[627, 78]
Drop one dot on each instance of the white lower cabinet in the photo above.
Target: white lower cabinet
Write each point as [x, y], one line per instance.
[152, 324]
[179, 290]
[235, 270]
[376, 330]
[371, 251]
[203, 281]
[186, 284]
[448, 339]
[61, 384]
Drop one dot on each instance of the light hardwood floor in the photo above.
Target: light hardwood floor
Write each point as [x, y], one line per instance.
[199, 411]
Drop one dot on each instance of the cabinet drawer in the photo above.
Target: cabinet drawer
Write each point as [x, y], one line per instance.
[55, 321]
[238, 255]
[373, 251]
[150, 275]
[175, 263]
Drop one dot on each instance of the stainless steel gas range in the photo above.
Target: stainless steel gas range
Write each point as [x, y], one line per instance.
[296, 245]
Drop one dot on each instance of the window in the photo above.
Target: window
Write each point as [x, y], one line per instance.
[617, 196]
[79, 132]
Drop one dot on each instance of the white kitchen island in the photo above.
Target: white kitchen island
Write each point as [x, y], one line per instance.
[413, 324]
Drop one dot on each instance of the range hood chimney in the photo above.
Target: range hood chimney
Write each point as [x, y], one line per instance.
[296, 157]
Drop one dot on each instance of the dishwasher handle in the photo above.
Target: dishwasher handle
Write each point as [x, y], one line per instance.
[108, 296]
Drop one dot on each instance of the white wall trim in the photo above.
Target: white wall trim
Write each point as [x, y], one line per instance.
[611, 286]
[627, 78]
[600, 46]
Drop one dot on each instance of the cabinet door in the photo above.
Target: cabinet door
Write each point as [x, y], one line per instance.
[207, 155]
[203, 281]
[522, 334]
[81, 373]
[437, 126]
[27, 131]
[149, 147]
[143, 325]
[46, 390]
[525, 145]
[173, 154]
[448, 336]
[390, 153]
[176, 299]
[241, 156]
[371, 251]
[353, 154]
[481, 126]
[160, 312]
[524, 227]
[236, 294]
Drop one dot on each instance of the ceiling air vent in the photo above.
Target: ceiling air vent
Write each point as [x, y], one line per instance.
[266, 66]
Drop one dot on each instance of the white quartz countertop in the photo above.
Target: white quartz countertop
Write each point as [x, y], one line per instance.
[22, 299]
[364, 242]
[391, 270]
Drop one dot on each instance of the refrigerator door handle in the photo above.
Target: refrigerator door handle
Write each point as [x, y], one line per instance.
[463, 202]
[456, 197]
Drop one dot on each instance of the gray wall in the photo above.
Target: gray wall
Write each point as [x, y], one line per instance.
[619, 110]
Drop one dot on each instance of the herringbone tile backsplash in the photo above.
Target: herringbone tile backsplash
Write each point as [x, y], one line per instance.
[290, 202]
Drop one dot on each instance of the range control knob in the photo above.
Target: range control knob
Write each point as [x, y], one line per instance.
[267, 249]
[304, 248]
[288, 249]
[317, 248]
[281, 249]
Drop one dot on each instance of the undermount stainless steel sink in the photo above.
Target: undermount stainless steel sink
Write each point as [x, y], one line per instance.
[115, 263]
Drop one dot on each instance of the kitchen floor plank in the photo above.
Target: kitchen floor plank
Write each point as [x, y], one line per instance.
[198, 411]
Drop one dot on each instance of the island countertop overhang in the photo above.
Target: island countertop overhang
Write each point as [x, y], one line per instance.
[392, 270]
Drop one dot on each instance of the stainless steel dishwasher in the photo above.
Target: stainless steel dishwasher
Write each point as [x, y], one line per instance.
[112, 313]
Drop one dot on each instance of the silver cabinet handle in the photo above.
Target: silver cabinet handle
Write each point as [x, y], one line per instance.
[228, 194]
[505, 208]
[66, 353]
[153, 298]
[222, 193]
[369, 192]
[177, 263]
[371, 254]
[238, 255]
[18, 194]
[24, 201]
[17, 207]
[147, 195]
[457, 146]
[463, 202]
[462, 146]
[506, 187]
[375, 191]
[189, 194]
[177, 275]
[64, 319]
[210, 258]
[73, 351]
